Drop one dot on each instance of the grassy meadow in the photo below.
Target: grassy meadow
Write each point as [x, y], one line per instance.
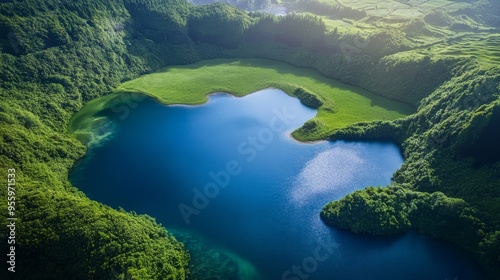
[401, 10]
[343, 104]
[429, 26]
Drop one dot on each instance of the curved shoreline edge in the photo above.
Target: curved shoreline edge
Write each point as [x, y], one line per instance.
[330, 97]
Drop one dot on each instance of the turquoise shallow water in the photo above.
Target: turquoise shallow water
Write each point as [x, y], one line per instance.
[226, 178]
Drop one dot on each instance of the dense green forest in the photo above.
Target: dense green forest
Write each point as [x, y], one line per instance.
[56, 55]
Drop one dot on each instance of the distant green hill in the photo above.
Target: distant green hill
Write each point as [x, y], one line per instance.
[249, 5]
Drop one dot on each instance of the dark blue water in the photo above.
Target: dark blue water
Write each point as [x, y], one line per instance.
[226, 178]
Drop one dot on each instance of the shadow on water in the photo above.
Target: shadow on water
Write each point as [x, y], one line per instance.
[414, 252]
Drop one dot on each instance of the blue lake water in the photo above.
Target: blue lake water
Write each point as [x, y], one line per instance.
[227, 179]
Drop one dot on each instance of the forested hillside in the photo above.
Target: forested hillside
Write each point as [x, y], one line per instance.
[57, 55]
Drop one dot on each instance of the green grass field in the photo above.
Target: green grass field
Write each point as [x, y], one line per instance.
[485, 47]
[343, 104]
[455, 36]
[401, 10]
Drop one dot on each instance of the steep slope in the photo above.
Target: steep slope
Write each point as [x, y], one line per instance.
[56, 55]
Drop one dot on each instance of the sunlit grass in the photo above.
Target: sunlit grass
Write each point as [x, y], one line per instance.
[377, 7]
[344, 105]
[400, 10]
[485, 47]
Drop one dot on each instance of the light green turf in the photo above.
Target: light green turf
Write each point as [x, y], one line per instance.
[463, 37]
[485, 47]
[343, 104]
[393, 9]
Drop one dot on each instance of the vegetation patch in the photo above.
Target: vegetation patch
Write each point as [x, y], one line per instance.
[307, 98]
[382, 211]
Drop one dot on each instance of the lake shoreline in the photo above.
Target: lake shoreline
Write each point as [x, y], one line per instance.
[343, 104]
